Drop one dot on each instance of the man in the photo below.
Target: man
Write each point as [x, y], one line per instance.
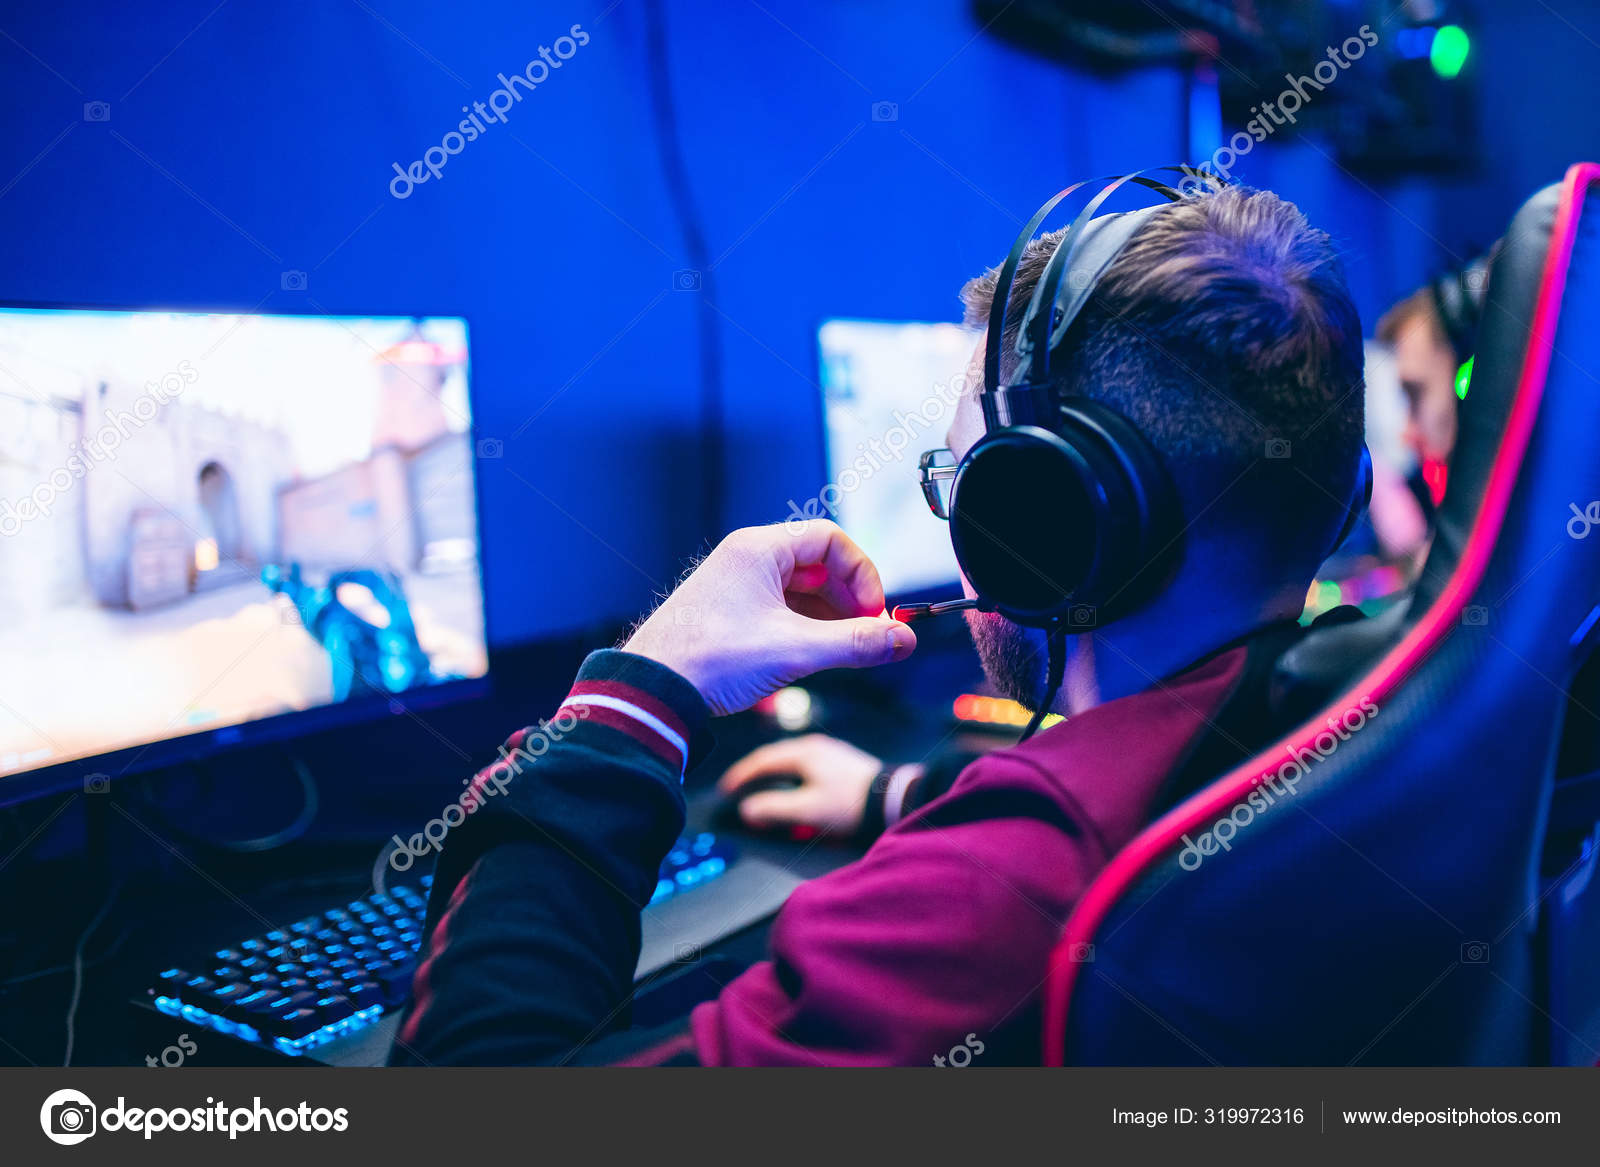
[1426, 364]
[1431, 332]
[1225, 332]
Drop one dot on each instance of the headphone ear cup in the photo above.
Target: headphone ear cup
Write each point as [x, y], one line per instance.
[1360, 499]
[1142, 560]
[1025, 518]
[1079, 525]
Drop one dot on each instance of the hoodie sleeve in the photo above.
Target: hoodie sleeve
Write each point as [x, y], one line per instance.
[533, 922]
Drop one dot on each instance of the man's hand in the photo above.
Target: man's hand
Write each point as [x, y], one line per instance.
[835, 778]
[771, 605]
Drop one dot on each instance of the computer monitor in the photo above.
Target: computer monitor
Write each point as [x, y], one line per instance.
[218, 527]
[889, 392]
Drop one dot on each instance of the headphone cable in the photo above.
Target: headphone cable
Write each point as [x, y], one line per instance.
[1055, 672]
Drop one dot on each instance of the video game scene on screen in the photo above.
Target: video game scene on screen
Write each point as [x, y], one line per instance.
[293, 527]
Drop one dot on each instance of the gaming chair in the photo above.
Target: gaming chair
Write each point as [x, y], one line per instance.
[1388, 906]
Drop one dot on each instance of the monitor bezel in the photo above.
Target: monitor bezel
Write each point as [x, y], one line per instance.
[72, 774]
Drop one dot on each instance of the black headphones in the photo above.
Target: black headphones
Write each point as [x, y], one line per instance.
[1062, 515]
[1458, 297]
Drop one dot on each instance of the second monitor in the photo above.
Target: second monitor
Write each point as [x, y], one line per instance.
[889, 393]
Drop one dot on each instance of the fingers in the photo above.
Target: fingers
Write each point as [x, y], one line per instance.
[779, 757]
[773, 808]
[813, 607]
[848, 581]
[859, 643]
[808, 577]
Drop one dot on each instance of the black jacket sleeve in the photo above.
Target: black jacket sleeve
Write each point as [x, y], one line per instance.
[532, 934]
[938, 775]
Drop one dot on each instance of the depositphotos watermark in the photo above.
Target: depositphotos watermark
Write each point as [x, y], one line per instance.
[174, 1055]
[1584, 521]
[100, 446]
[1272, 786]
[961, 1054]
[873, 455]
[1270, 115]
[69, 1117]
[485, 784]
[480, 115]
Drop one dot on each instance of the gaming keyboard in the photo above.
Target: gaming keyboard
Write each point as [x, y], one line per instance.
[329, 976]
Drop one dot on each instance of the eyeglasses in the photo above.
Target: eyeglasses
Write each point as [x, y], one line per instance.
[937, 469]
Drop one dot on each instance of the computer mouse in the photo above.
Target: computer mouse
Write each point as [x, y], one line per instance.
[727, 813]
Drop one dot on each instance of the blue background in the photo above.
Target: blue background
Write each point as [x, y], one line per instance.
[250, 138]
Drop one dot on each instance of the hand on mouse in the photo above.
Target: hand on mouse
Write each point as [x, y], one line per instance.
[834, 780]
[768, 606]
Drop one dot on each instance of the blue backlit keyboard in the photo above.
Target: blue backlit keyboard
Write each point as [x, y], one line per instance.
[692, 861]
[333, 974]
[302, 986]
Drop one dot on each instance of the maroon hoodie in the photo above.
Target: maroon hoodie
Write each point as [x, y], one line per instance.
[931, 949]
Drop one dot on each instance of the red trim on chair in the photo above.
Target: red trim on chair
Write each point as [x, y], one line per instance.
[1161, 837]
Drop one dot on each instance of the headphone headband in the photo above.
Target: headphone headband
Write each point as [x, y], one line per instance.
[1103, 239]
[1008, 270]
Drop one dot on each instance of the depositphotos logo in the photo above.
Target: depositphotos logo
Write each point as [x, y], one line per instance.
[68, 1117]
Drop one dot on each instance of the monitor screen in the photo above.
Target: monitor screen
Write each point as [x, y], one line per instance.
[889, 392]
[213, 520]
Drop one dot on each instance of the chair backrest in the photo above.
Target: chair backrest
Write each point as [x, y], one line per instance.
[1367, 890]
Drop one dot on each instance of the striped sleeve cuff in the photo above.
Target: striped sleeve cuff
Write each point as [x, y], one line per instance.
[646, 702]
[895, 789]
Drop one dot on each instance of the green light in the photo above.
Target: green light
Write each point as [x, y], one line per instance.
[1449, 52]
[1464, 378]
